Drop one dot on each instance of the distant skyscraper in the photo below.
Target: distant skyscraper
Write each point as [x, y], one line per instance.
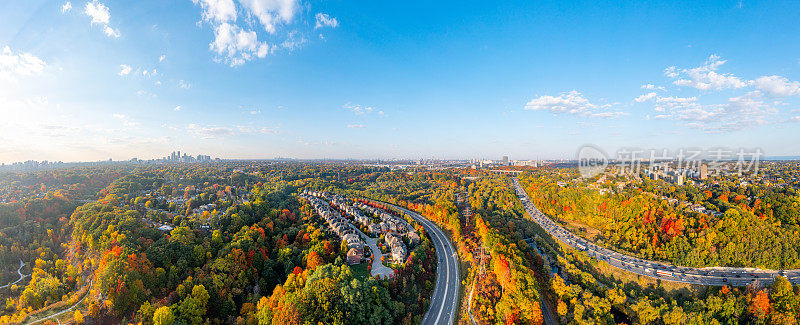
[505, 160]
[703, 171]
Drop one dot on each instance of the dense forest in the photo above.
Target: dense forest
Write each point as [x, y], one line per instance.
[583, 290]
[635, 220]
[239, 247]
[235, 243]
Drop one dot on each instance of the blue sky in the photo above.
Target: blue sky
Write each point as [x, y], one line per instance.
[347, 79]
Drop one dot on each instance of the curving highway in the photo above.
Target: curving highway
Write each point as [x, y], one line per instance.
[444, 301]
[706, 276]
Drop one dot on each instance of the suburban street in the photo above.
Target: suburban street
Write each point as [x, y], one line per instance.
[378, 269]
[444, 301]
[716, 276]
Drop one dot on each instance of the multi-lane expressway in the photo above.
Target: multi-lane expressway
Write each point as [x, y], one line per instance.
[444, 300]
[704, 276]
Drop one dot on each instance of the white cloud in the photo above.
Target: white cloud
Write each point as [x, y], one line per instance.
[177, 108]
[248, 129]
[271, 12]
[217, 10]
[323, 20]
[98, 11]
[101, 15]
[293, 42]
[147, 73]
[162, 57]
[146, 94]
[124, 70]
[744, 112]
[777, 86]
[737, 113]
[110, 32]
[572, 103]
[355, 126]
[673, 103]
[358, 109]
[184, 85]
[706, 76]
[118, 116]
[237, 41]
[66, 7]
[209, 132]
[653, 87]
[675, 99]
[236, 46]
[19, 64]
[269, 130]
[645, 97]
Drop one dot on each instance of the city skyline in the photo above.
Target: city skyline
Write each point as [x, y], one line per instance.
[312, 80]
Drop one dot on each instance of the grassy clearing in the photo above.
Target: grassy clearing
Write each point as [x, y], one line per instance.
[360, 270]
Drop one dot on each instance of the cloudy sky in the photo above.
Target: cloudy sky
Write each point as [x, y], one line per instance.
[374, 79]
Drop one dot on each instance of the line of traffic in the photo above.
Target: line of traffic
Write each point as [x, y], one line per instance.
[704, 276]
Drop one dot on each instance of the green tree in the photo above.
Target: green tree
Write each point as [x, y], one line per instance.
[193, 308]
[163, 316]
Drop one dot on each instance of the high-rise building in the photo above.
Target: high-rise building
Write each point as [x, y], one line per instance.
[505, 160]
[678, 179]
[703, 171]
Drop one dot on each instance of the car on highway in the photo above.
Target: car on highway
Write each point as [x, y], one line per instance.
[645, 267]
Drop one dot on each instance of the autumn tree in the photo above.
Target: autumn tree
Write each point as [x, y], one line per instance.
[163, 316]
[313, 260]
[759, 305]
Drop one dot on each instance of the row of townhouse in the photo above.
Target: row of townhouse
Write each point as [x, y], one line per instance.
[388, 223]
[338, 225]
[393, 226]
[397, 246]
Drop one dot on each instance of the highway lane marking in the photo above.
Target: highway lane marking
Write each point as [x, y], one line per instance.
[447, 260]
[447, 266]
[571, 239]
[447, 280]
[445, 244]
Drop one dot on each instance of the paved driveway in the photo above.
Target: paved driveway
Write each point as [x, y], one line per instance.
[377, 267]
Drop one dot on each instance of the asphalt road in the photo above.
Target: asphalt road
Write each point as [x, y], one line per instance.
[444, 300]
[705, 276]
